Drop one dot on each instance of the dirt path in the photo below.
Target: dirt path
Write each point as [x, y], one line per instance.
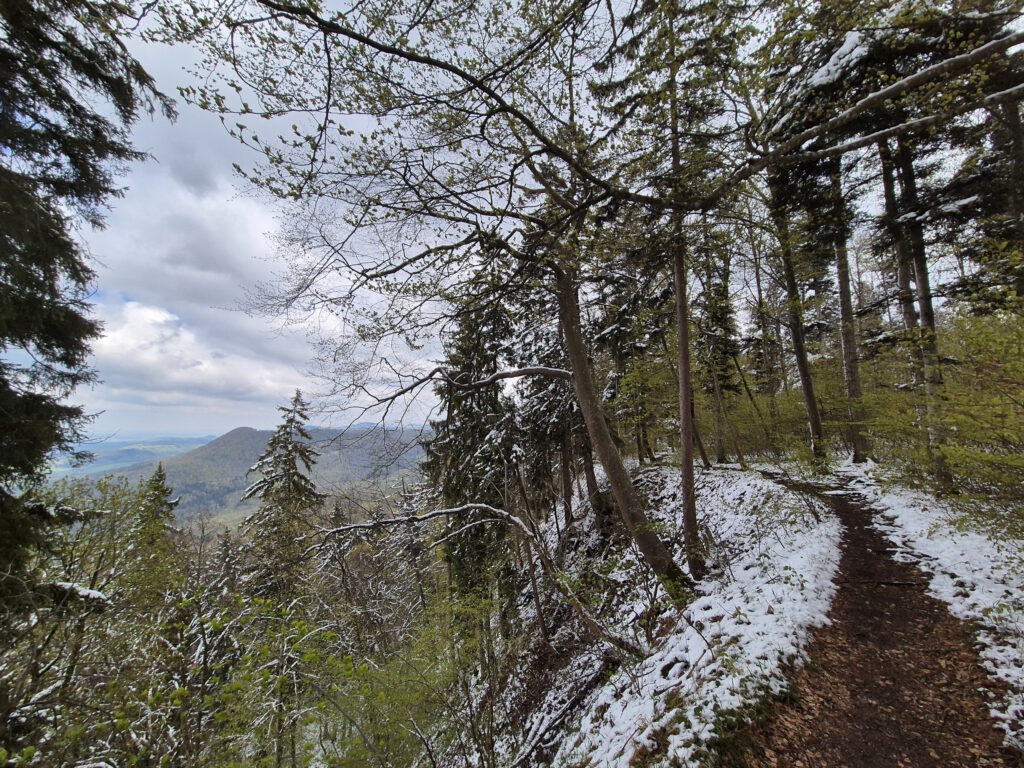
[893, 683]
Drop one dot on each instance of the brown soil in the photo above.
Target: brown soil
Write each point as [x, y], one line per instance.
[894, 682]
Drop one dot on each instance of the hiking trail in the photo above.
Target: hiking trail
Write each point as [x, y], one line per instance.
[893, 682]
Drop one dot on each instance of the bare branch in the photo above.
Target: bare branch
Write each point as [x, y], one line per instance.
[480, 84]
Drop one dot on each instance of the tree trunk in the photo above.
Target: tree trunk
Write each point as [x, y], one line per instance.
[929, 339]
[588, 471]
[767, 354]
[727, 424]
[631, 504]
[1011, 114]
[645, 437]
[599, 502]
[567, 479]
[904, 276]
[698, 443]
[530, 565]
[720, 456]
[704, 460]
[640, 453]
[694, 550]
[847, 329]
[904, 263]
[794, 306]
[769, 441]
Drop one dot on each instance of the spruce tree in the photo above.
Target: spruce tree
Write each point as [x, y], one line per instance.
[288, 502]
[470, 453]
[60, 64]
[151, 540]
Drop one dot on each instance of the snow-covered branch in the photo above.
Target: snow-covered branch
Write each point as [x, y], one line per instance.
[880, 97]
[534, 370]
[910, 126]
[781, 154]
[499, 515]
[414, 520]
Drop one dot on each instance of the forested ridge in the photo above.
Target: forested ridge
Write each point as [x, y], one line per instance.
[209, 480]
[664, 275]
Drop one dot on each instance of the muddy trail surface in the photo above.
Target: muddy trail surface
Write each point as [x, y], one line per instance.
[894, 682]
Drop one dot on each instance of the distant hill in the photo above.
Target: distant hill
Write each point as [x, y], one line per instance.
[211, 478]
[112, 455]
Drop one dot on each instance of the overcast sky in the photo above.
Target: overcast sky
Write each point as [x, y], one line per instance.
[179, 249]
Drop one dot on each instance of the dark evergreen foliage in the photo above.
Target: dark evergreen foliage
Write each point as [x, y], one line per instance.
[289, 502]
[470, 455]
[63, 69]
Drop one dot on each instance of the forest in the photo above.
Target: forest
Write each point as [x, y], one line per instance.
[668, 278]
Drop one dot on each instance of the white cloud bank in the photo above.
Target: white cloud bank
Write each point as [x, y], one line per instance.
[161, 375]
[173, 264]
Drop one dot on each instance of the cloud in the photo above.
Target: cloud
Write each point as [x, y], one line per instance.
[173, 264]
[149, 352]
[149, 357]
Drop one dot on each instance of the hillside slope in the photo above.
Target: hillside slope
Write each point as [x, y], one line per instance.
[113, 455]
[576, 703]
[211, 478]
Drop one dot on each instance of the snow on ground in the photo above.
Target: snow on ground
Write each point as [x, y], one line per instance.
[771, 581]
[979, 578]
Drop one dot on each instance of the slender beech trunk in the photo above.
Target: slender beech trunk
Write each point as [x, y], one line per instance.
[1011, 114]
[727, 424]
[694, 549]
[640, 453]
[720, 456]
[735, 438]
[922, 281]
[646, 441]
[761, 313]
[704, 460]
[847, 328]
[781, 357]
[794, 306]
[530, 564]
[593, 490]
[767, 354]
[904, 263]
[566, 463]
[631, 504]
[769, 441]
[698, 443]
[599, 502]
[537, 596]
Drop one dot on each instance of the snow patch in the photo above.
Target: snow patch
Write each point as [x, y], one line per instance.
[958, 204]
[772, 567]
[850, 52]
[83, 593]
